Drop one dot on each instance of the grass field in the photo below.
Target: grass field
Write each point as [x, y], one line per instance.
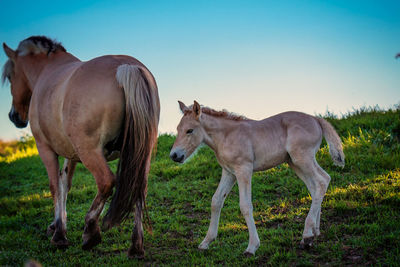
[360, 220]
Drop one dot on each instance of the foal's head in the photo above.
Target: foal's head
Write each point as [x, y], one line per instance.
[190, 133]
[19, 61]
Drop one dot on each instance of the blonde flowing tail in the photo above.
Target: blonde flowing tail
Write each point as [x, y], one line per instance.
[140, 136]
[334, 142]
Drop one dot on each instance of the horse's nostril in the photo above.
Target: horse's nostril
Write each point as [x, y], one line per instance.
[180, 159]
[173, 156]
[177, 157]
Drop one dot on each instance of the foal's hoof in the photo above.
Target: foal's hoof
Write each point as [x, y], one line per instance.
[59, 240]
[307, 242]
[91, 241]
[248, 254]
[203, 246]
[135, 254]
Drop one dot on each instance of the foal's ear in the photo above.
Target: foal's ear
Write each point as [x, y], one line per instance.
[196, 109]
[182, 106]
[9, 52]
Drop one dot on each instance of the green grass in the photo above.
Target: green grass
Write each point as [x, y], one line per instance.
[360, 220]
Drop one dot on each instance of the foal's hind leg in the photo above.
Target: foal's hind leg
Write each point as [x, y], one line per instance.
[95, 162]
[317, 182]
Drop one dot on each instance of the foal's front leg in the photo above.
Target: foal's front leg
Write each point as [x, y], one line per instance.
[246, 207]
[224, 187]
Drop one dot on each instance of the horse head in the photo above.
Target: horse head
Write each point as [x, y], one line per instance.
[190, 133]
[21, 93]
[22, 69]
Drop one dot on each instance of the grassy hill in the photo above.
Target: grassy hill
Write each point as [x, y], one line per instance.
[360, 220]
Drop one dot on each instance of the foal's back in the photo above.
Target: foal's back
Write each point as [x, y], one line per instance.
[274, 138]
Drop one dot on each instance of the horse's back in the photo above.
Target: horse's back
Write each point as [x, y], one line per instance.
[88, 108]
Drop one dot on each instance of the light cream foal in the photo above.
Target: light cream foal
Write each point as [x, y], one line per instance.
[243, 146]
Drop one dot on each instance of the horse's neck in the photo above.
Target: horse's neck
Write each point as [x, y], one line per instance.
[34, 69]
[216, 129]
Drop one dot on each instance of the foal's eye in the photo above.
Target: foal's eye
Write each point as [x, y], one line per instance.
[189, 131]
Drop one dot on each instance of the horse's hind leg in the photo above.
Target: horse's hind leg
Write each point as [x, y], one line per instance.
[137, 248]
[317, 181]
[95, 162]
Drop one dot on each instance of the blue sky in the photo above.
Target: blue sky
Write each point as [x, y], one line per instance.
[256, 58]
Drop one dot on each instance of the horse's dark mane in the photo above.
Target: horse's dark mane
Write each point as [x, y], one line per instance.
[35, 45]
[8, 68]
[39, 44]
[221, 114]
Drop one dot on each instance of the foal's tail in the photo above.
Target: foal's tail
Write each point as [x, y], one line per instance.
[142, 111]
[334, 142]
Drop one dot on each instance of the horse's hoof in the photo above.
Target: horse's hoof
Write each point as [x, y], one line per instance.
[50, 230]
[135, 254]
[306, 243]
[92, 241]
[59, 240]
[106, 225]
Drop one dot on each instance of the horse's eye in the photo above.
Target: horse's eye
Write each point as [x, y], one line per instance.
[189, 131]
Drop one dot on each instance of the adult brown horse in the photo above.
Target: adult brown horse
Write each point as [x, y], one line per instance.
[87, 112]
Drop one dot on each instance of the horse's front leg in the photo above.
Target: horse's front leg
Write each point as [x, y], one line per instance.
[243, 176]
[59, 189]
[64, 185]
[224, 187]
[95, 162]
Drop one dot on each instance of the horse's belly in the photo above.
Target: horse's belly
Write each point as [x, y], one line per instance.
[50, 135]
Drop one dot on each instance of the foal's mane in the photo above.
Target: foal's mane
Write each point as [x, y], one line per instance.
[32, 45]
[220, 114]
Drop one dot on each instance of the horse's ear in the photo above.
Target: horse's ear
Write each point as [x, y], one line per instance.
[196, 109]
[9, 52]
[182, 106]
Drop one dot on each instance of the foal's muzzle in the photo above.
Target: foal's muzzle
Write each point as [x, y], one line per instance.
[16, 119]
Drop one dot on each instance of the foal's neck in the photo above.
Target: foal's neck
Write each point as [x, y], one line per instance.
[217, 128]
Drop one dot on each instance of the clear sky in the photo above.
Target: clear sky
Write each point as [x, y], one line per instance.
[256, 58]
